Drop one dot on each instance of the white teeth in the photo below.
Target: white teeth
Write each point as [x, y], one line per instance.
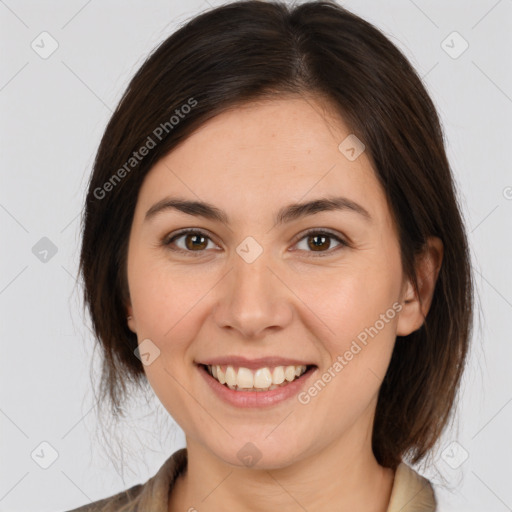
[230, 376]
[244, 378]
[289, 373]
[278, 375]
[261, 379]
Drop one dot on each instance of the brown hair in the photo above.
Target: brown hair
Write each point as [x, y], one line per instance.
[248, 50]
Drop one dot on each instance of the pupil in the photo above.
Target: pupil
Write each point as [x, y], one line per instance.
[193, 243]
[316, 245]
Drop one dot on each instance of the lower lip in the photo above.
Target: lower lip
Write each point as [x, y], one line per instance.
[256, 398]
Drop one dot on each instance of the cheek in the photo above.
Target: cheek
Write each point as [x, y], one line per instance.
[356, 312]
[168, 310]
[164, 298]
[170, 306]
[350, 299]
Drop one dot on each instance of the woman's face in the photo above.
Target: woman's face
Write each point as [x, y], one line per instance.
[254, 290]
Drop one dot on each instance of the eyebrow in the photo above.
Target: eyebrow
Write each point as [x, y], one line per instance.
[286, 214]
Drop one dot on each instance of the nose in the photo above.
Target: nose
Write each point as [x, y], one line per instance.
[253, 299]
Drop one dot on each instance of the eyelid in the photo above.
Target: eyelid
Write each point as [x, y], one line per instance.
[323, 231]
[168, 239]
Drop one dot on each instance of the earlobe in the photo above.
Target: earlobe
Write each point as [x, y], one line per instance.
[416, 304]
[130, 320]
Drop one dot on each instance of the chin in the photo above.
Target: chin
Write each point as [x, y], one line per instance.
[258, 452]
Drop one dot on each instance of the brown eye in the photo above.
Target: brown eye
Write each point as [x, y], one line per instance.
[189, 241]
[193, 241]
[321, 242]
[318, 242]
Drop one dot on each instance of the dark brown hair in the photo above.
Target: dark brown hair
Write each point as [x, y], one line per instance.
[252, 50]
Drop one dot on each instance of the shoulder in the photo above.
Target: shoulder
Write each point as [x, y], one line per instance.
[124, 501]
[411, 492]
[152, 495]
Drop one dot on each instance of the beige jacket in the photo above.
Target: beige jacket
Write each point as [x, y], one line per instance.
[410, 493]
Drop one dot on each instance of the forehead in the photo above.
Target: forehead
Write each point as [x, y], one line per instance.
[263, 154]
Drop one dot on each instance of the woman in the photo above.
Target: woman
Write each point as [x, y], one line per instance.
[272, 241]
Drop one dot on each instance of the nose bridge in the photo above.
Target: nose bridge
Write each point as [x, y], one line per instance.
[253, 278]
[253, 298]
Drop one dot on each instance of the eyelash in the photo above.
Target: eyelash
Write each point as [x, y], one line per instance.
[167, 241]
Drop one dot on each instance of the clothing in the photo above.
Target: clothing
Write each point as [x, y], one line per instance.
[410, 493]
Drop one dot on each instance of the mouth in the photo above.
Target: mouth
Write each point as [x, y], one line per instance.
[257, 380]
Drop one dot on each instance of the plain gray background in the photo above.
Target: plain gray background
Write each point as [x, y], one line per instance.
[54, 110]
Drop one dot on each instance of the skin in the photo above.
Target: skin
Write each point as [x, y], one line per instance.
[290, 301]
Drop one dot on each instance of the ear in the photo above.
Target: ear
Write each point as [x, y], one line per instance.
[130, 318]
[415, 310]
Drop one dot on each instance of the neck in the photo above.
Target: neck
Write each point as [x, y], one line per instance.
[342, 476]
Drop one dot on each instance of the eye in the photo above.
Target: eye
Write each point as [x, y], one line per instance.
[193, 241]
[318, 240]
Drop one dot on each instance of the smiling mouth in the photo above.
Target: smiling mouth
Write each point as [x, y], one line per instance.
[261, 379]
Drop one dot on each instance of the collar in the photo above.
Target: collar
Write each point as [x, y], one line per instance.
[411, 492]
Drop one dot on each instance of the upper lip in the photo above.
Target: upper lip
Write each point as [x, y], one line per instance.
[252, 364]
